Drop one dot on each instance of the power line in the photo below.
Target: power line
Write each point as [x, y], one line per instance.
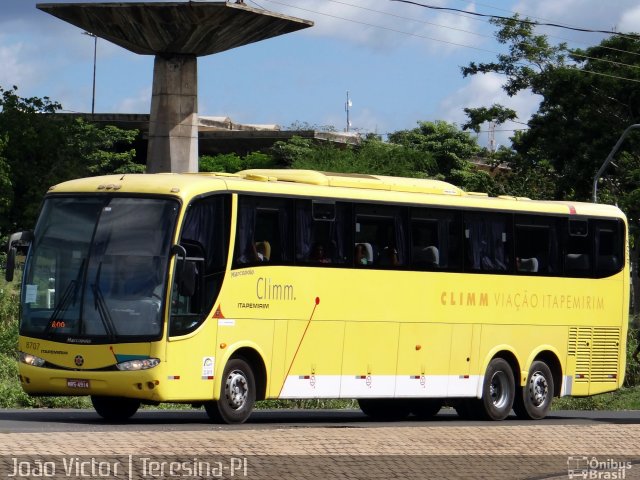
[383, 27]
[528, 22]
[446, 41]
[511, 12]
[572, 52]
[409, 18]
[564, 39]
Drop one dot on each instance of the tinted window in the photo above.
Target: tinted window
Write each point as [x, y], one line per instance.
[205, 238]
[264, 231]
[436, 239]
[537, 249]
[578, 259]
[487, 241]
[609, 238]
[321, 233]
[379, 236]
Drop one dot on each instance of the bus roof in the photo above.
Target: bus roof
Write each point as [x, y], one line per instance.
[311, 183]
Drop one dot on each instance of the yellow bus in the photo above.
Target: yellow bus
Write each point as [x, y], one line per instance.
[221, 290]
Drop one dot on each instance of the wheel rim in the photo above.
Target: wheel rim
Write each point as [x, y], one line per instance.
[236, 389]
[538, 388]
[499, 390]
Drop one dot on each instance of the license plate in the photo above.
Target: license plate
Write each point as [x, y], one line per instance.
[77, 383]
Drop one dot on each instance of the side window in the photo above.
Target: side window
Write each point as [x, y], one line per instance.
[609, 249]
[200, 263]
[537, 249]
[379, 236]
[487, 242]
[578, 260]
[436, 239]
[321, 231]
[263, 233]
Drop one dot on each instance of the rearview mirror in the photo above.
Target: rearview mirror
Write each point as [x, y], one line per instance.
[24, 238]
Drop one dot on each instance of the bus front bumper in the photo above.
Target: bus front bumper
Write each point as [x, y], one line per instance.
[143, 384]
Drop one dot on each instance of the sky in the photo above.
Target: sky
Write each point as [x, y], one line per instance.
[400, 63]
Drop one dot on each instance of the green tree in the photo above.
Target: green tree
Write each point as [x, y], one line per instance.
[372, 156]
[451, 151]
[232, 162]
[496, 113]
[106, 150]
[286, 152]
[41, 149]
[229, 162]
[586, 103]
[6, 187]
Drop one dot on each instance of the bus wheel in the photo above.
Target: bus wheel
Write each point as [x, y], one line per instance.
[533, 401]
[498, 390]
[426, 408]
[237, 394]
[385, 409]
[115, 409]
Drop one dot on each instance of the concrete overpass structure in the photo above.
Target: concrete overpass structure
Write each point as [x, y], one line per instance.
[176, 33]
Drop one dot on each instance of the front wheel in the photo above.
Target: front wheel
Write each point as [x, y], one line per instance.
[498, 390]
[534, 399]
[237, 394]
[115, 409]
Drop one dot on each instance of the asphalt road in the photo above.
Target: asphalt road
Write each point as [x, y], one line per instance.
[74, 420]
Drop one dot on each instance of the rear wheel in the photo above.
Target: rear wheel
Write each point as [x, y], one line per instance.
[115, 409]
[237, 394]
[533, 401]
[385, 409]
[498, 390]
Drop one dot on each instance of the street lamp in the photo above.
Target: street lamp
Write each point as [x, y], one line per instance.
[95, 49]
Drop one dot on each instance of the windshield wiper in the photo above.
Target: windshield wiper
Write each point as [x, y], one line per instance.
[101, 306]
[69, 296]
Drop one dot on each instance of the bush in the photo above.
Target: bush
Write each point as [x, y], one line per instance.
[632, 375]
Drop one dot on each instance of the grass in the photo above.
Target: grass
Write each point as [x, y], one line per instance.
[623, 399]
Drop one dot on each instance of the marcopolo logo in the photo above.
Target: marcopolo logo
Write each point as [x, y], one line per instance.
[597, 468]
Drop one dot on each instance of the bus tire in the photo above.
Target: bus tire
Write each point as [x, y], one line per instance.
[385, 409]
[533, 401]
[115, 409]
[426, 408]
[237, 394]
[498, 390]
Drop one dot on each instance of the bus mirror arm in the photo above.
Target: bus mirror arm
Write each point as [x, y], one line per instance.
[186, 275]
[187, 285]
[20, 237]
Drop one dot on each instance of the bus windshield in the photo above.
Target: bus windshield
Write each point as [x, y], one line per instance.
[97, 269]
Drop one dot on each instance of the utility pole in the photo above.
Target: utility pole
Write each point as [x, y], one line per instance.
[95, 50]
[347, 108]
[492, 136]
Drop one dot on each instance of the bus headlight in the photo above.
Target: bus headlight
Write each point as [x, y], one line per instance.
[32, 360]
[141, 364]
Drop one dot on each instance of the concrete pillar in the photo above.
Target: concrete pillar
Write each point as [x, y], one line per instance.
[173, 126]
